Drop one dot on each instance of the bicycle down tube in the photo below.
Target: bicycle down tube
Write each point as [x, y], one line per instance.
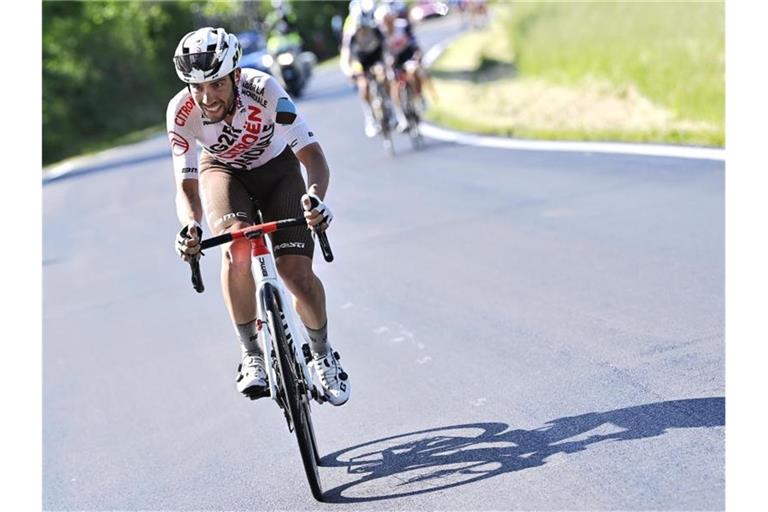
[291, 383]
[265, 271]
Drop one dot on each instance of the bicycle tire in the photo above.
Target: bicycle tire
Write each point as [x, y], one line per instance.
[382, 113]
[297, 401]
[311, 431]
[414, 133]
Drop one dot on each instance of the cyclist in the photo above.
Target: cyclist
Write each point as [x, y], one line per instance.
[402, 47]
[362, 53]
[405, 52]
[253, 142]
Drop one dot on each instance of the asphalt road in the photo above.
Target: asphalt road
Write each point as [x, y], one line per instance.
[523, 330]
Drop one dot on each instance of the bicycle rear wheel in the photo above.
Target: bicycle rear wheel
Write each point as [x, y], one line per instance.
[412, 115]
[295, 395]
[382, 113]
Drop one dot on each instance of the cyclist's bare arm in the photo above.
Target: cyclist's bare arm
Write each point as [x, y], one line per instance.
[345, 61]
[189, 208]
[318, 175]
[189, 211]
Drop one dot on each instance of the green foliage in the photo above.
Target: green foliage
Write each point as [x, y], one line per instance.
[314, 23]
[107, 65]
[642, 71]
[673, 52]
[106, 69]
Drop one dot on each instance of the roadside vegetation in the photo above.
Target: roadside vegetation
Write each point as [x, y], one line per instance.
[650, 72]
[107, 65]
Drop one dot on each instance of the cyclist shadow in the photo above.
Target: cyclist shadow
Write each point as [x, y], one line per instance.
[440, 458]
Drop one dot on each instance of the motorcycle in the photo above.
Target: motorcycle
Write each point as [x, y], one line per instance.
[288, 63]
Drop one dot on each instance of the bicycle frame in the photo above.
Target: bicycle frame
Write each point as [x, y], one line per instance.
[381, 103]
[265, 272]
[296, 386]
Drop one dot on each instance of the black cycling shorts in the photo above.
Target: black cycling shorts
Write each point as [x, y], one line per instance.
[405, 55]
[277, 186]
[367, 60]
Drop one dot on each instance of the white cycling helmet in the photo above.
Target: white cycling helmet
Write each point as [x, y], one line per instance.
[206, 54]
[365, 19]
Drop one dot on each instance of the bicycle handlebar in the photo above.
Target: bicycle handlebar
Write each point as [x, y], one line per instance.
[254, 232]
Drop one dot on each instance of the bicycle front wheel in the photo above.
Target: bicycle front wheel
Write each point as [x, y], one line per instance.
[295, 395]
[412, 115]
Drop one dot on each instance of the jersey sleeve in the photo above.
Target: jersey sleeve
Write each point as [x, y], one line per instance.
[181, 138]
[297, 132]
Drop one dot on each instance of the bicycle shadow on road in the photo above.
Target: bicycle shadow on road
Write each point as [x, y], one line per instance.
[441, 458]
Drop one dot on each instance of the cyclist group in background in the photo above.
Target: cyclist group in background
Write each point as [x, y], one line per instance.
[378, 44]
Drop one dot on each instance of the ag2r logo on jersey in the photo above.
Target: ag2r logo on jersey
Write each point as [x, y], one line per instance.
[179, 145]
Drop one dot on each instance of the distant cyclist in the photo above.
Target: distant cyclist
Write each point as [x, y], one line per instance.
[253, 142]
[405, 52]
[362, 54]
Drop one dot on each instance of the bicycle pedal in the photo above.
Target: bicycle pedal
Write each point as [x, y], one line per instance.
[254, 393]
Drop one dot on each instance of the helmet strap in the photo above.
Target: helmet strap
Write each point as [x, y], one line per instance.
[234, 93]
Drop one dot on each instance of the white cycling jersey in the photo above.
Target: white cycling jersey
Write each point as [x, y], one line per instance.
[254, 137]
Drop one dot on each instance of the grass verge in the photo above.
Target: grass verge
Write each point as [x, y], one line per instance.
[640, 72]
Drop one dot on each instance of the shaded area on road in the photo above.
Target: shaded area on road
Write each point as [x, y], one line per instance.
[445, 457]
[108, 166]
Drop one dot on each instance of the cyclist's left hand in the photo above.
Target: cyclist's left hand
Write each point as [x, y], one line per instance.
[317, 213]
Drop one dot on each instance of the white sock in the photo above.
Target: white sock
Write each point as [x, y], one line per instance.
[249, 339]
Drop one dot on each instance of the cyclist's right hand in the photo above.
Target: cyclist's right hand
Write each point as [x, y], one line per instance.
[188, 241]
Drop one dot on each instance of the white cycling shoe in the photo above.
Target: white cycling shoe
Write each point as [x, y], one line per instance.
[252, 377]
[334, 381]
[370, 127]
[402, 123]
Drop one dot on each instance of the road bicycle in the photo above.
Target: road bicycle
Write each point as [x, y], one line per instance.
[381, 105]
[291, 383]
[407, 97]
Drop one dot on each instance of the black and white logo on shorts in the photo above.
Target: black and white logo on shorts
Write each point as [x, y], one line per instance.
[290, 245]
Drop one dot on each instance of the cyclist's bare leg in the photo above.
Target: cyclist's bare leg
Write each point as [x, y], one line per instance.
[363, 92]
[394, 92]
[424, 80]
[309, 302]
[362, 88]
[381, 75]
[237, 280]
[306, 287]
